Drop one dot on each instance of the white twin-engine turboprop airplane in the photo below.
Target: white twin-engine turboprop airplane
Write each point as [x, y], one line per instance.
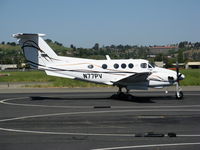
[124, 73]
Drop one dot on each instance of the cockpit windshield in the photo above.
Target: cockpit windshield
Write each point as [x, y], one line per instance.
[151, 65]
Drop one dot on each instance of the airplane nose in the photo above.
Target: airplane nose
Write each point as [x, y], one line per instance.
[182, 76]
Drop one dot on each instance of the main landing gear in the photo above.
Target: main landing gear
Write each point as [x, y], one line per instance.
[122, 95]
[126, 96]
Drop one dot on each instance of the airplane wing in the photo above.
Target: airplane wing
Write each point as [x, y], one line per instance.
[136, 79]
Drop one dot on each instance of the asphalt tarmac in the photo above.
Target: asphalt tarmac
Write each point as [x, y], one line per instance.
[84, 120]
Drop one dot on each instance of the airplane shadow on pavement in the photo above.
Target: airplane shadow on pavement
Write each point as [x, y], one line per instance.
[130, 98]
[41, 98]
[143, 99]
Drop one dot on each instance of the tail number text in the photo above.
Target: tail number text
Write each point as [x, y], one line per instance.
[92, 76]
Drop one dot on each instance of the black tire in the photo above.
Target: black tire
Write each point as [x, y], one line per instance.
[121, 95]
[180, 95]
[129, 97]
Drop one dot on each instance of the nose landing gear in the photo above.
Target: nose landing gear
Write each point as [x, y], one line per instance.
[179, 93]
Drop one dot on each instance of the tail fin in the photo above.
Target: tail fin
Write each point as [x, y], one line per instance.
[36, 50]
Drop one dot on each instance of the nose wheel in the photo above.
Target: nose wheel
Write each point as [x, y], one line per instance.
[179, 93]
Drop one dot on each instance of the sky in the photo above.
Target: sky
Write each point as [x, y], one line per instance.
[86, 22]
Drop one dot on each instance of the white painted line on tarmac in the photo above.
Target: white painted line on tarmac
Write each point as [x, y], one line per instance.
[193, 94]
[148, 146]
[69, 133]
[8, 99]
[78, 133]
[81, 113]
[189, 135]
[167, 106]
[65, 133]
[99, 112]
[5, 101]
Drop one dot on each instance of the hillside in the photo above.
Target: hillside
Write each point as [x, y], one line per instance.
[11, 53]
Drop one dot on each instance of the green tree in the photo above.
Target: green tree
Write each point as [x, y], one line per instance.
[159, 57]
[48, 41]
[180, 56]
[96, 46]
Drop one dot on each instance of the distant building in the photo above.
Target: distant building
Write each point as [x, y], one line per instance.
[192, 65]
[161, 49]
[11, 66]
[181, 65]
[151, 56]
[159, 64]
[8, 66]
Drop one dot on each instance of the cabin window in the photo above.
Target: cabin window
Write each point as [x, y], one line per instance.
[143, 65]
[130, 65]
[152, 65]
[90, 66]
[104, 66]
[123, 66]
[116, 66]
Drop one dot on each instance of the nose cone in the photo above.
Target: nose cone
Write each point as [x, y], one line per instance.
[182, 76]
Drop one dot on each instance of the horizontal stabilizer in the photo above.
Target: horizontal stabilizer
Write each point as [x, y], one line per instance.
[21, 35]
[53, 73]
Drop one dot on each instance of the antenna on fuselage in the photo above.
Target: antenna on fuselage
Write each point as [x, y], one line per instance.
[108, 57]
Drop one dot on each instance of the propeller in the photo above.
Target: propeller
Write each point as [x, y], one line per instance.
[178, 74]
[179, 93]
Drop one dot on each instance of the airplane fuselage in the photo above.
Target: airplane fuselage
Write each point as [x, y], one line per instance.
[111, 71]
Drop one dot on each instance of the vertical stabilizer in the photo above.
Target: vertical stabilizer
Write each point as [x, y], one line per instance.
[36, 50]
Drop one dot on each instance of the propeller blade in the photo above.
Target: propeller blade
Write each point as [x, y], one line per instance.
[180, 74]
[177, 68]
[177, 73]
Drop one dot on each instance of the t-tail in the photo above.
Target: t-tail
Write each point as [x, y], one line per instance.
[37, 52]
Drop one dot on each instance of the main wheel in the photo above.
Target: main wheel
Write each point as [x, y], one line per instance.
[179, 95]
